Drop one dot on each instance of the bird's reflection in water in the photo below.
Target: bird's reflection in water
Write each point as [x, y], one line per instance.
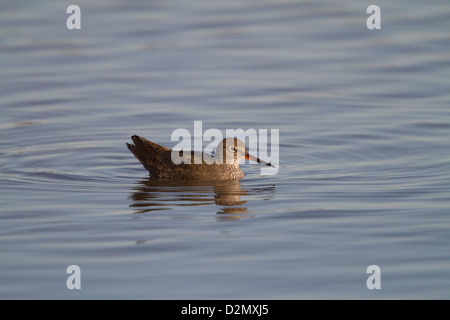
[229, 197]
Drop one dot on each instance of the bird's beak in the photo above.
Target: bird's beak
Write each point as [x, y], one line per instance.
[250, 157]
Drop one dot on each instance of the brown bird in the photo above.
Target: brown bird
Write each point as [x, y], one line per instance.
[158, 160]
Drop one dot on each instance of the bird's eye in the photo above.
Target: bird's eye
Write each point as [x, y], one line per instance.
[233, 149]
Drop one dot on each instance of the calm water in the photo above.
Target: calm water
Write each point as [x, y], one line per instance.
[364, 148]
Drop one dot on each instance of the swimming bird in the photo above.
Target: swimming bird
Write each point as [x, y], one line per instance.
[193, 165]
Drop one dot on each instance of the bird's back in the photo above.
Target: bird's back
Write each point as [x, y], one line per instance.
[158, 161]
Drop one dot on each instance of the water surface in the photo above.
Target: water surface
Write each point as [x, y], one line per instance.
[364, 151]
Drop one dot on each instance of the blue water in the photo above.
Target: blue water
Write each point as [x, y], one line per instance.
[364, 176]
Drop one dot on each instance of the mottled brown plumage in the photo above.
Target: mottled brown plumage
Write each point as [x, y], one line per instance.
[196, 165]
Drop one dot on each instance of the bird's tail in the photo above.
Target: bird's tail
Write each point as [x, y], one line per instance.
[151, 155]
